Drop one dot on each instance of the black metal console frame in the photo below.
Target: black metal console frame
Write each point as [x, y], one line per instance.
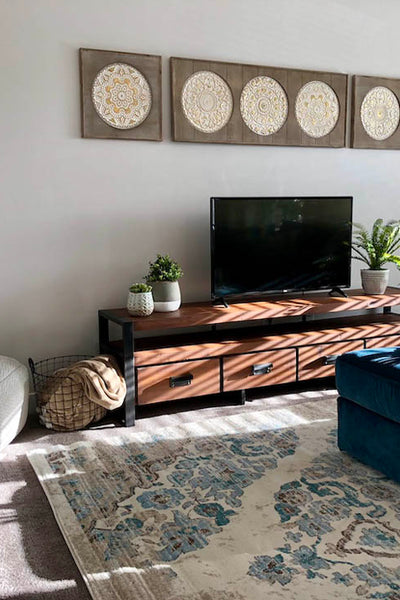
[126, 361]
[125, 357]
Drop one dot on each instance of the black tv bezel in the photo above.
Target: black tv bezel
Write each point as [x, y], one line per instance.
[258, 293]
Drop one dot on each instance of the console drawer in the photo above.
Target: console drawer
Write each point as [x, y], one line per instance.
[178, 380]
[319, 361]
[246, 371]
[388, 341]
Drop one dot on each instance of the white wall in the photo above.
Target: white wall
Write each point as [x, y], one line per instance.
[81, 218]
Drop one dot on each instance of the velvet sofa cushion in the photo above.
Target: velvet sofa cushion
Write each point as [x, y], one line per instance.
[369, 437]
[371, 378]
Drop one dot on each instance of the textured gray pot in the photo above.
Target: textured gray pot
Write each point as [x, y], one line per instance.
[374, 281]
[167, 295]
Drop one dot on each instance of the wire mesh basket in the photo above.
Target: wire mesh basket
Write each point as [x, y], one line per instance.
[61, 402]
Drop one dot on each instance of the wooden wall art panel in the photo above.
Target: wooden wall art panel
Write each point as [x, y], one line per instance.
[120, 95]
[230, 103]
[375, 112]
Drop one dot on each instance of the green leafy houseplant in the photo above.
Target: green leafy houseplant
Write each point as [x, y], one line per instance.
[164, 268]
[163, 275]
[378, 247]
[140, 288]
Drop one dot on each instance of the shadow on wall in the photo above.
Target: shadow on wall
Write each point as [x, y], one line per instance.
[51, 305]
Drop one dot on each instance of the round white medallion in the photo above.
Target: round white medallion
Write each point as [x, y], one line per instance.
[380, 113]
[263, 105]
[317, 109]
[121, 96]
[207, 101]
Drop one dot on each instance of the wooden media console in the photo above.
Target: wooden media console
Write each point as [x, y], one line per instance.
[203, 349]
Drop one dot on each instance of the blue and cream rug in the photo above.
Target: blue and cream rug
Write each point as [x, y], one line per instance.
[246, 507]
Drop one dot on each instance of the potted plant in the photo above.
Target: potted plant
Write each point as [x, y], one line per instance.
[163, 276]
[140, 300]
[377, 249]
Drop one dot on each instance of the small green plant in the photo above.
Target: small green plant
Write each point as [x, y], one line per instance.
[164, 268]
[140, 288]
[378, 247]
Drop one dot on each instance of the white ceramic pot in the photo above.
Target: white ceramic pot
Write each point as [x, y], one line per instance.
[167, 295]
[374, 281]
[140, 304]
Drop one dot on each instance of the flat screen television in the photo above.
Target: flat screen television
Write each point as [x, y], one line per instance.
[276, 245]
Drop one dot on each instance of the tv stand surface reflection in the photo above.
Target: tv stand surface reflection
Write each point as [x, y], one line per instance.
[202, 349]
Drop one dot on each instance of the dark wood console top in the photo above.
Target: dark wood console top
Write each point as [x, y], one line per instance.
[204, 313]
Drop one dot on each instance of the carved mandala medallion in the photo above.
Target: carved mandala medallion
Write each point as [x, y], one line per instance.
[317, 109]
[207, 101]
[263, 105]
[121, 96]
[380, 113]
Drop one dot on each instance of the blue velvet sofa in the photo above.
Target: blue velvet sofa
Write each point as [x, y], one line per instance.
[368, 382]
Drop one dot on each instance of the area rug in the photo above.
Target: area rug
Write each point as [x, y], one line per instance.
[247, 507]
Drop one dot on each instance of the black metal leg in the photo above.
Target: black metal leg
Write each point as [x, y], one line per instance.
[129, 374]
[242, 397]
[104, 336]
[387, 310]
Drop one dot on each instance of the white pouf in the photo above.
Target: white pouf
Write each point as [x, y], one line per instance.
[14, 398]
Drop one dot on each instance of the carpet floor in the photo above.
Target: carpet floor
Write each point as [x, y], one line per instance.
[35, 562]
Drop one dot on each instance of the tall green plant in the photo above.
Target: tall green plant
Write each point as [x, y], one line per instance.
[378, 247]
[164, 268]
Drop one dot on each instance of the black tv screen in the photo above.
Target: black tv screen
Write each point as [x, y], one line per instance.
[261, 245]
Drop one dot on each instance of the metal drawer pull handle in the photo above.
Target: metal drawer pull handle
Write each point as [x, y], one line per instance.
[262, 369]
[181, 380]
[331, 360]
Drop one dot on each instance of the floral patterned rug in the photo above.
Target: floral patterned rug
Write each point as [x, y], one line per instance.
[247, 507]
